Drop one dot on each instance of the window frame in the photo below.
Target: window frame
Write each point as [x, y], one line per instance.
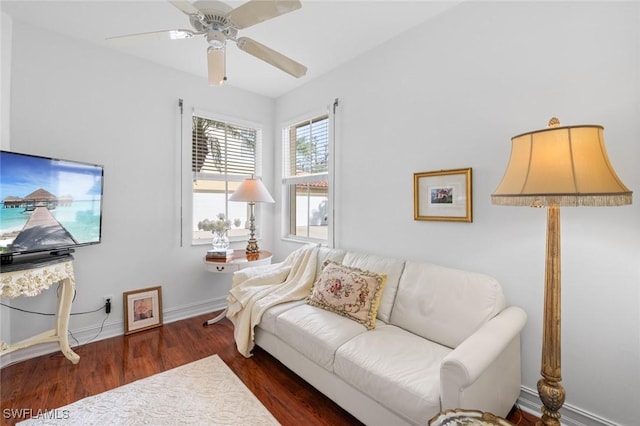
[288, 206]
[224, 177]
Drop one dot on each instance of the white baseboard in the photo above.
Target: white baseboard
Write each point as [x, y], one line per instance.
[571, 415]
[110, 329]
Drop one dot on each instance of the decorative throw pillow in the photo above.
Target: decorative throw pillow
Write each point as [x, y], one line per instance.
[350, 292]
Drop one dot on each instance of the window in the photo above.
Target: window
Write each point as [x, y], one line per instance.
[306, 178]
[222, 156]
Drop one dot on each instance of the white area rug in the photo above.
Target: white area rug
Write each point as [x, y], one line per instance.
[204, 392]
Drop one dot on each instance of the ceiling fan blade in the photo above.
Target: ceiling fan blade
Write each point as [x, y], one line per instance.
[272, 57]
[216, 64]
[256, 11]
[187, 7]
[150, 37]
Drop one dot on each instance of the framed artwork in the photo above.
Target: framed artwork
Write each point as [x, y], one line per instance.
[142, 309]
[442, 195]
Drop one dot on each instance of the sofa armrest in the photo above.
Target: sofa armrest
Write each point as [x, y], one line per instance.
[483, 372]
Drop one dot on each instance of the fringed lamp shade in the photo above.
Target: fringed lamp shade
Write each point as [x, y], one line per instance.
[561, 166]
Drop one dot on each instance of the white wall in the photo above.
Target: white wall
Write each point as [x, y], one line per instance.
[5, 78]
[451, 94]
[447, 94]
[77, 101]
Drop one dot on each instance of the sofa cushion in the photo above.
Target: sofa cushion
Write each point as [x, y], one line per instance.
[316, 333]
[350, 292]
[269, 317]
[392, 268]
[443, 304]
[396, 368]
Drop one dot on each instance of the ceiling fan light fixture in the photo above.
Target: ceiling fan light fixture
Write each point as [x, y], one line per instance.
[217, 67]
[216, 39]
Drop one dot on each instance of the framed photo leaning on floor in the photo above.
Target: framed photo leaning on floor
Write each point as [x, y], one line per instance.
[142, 309]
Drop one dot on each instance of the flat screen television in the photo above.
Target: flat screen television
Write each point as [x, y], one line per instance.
[48, 206]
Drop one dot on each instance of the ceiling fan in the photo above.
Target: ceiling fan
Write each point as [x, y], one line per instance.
[218, 22]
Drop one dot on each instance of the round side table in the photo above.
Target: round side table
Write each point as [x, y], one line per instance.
[460, 417]
[239, 260]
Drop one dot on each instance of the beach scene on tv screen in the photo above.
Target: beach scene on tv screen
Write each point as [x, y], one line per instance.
[47, 204]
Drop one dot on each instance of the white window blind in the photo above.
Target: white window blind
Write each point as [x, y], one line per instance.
[223, 154]
[221, 148]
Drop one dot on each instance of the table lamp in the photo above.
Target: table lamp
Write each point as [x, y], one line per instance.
[558, 167]
[252, 191]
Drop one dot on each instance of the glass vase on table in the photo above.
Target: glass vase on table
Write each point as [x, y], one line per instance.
[220, 240]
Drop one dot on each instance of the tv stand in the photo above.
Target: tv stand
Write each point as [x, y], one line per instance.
[20, 262]
[30, 278]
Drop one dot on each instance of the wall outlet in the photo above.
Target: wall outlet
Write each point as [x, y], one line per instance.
[107, 300]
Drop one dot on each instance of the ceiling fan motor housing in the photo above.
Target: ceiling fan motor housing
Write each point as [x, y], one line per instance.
[213, 16]
[217, 20]
[214, 23]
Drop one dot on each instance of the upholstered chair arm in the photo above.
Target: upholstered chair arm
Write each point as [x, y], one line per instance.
[483, 372]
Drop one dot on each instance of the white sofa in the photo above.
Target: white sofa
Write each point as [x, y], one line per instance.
[443, 340]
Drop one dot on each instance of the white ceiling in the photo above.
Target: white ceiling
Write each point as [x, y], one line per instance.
[322, 35]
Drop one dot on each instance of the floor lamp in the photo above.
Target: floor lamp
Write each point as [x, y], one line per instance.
[252, 191]
[558, 167]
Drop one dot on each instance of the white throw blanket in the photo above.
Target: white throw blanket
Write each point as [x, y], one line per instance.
[254, 290]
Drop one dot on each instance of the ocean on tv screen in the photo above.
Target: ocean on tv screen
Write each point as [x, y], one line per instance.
[47, 204]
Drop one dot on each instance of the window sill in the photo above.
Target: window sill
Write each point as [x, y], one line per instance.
[233, 241]
[301, 240]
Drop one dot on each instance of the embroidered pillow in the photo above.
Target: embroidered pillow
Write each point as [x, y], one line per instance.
[350, 292]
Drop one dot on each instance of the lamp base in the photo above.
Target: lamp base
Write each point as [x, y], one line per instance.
[550, 389]
[552, 395]
[252, 246]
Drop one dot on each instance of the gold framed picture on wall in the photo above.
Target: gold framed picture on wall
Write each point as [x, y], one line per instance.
[443, 195]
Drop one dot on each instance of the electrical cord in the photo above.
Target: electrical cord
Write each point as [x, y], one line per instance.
[48, 314]
[94, 337]
[51, 315]
[78, 344]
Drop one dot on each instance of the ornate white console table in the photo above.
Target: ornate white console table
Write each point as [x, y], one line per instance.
[30, 279]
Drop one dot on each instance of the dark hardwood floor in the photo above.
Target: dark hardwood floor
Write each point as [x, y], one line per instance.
[51, 381]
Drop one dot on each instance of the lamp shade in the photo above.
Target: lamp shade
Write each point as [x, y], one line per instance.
[252, 190]
[561, 166]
